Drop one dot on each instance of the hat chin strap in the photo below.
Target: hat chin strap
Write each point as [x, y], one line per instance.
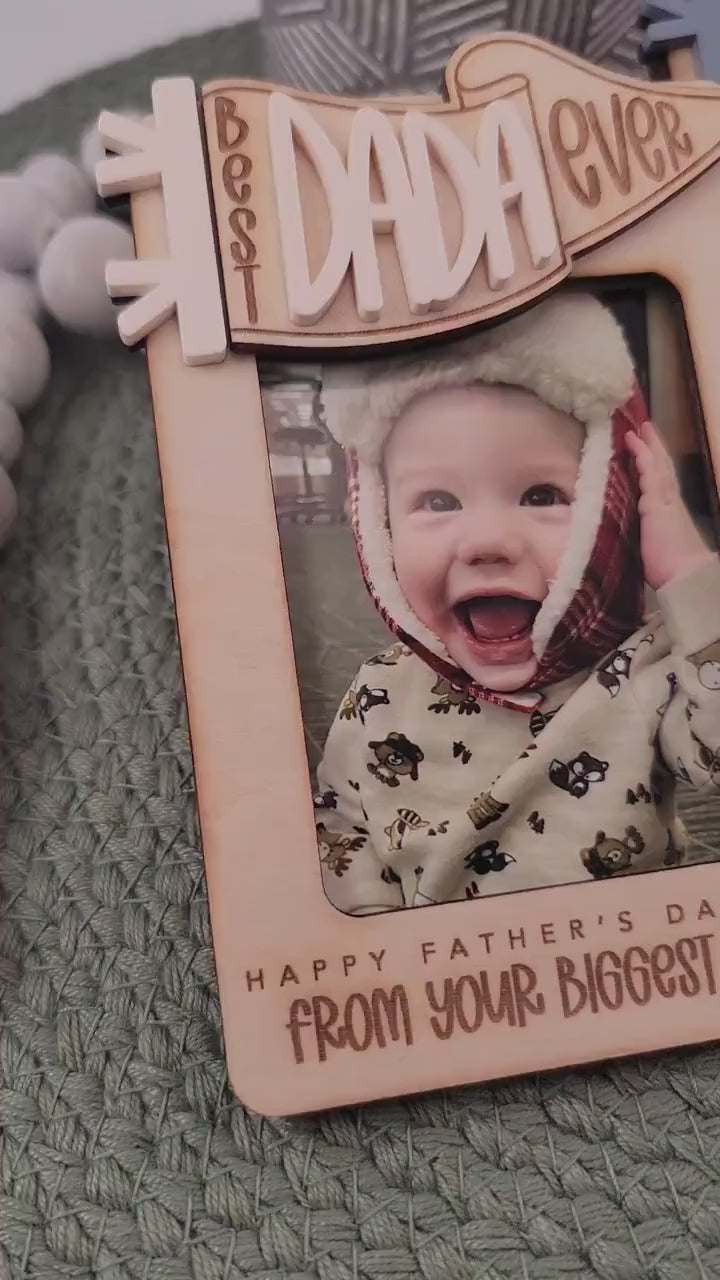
[587, 511]
[369, 507]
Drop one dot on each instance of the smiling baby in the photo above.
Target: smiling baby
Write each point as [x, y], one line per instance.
[509, 502]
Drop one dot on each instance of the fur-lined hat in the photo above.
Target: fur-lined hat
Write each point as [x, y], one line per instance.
[570, 352]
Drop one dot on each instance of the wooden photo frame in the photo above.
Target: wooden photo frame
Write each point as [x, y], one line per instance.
[262, 235]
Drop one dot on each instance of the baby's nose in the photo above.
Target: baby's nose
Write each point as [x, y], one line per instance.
[488, 538]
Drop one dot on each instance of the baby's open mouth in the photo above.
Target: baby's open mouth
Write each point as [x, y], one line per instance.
[493, 619]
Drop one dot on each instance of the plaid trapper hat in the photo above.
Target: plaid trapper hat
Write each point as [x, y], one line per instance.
[569, 351]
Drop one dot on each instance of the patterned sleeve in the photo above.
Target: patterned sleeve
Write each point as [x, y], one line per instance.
[688, 734]
[353, 875]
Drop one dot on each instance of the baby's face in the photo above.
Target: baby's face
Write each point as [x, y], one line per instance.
[479, 484]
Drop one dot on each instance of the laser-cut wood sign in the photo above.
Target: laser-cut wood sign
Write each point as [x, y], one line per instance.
[533, 176]
[487, 196]
[271, 222]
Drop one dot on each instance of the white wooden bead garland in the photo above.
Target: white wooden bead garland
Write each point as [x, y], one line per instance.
[53, 249]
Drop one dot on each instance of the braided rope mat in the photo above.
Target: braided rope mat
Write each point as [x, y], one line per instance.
[122, 1154]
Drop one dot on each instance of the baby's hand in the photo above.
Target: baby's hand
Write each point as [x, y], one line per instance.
[670, 543]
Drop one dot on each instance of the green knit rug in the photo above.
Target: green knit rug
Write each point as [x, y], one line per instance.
[122, 1153]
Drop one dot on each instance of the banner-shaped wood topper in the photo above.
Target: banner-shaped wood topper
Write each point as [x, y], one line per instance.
[349, 222]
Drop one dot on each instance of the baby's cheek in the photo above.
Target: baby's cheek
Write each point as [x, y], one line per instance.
[404, 563]
[409, 557]
[550, 539]
[422, 587]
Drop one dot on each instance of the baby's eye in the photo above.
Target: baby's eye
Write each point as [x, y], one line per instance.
[543, 495]
[438, 500]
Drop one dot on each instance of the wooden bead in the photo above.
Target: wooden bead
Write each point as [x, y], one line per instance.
[8, 504]
[71, 273]
[61, 183]
[91, 150]
[11, 435]
[26, 223]
[18, 293]
[24, 361]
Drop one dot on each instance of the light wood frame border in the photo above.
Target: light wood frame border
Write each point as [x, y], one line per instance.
[267, 906]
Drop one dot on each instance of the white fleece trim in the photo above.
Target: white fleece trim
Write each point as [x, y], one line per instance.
[376, 547]
[587, 513]
[587, 510]
[568, 350]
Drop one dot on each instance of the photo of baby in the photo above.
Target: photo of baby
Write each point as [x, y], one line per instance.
[551, 676]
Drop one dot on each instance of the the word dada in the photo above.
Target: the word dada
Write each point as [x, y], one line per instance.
[506, 169]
